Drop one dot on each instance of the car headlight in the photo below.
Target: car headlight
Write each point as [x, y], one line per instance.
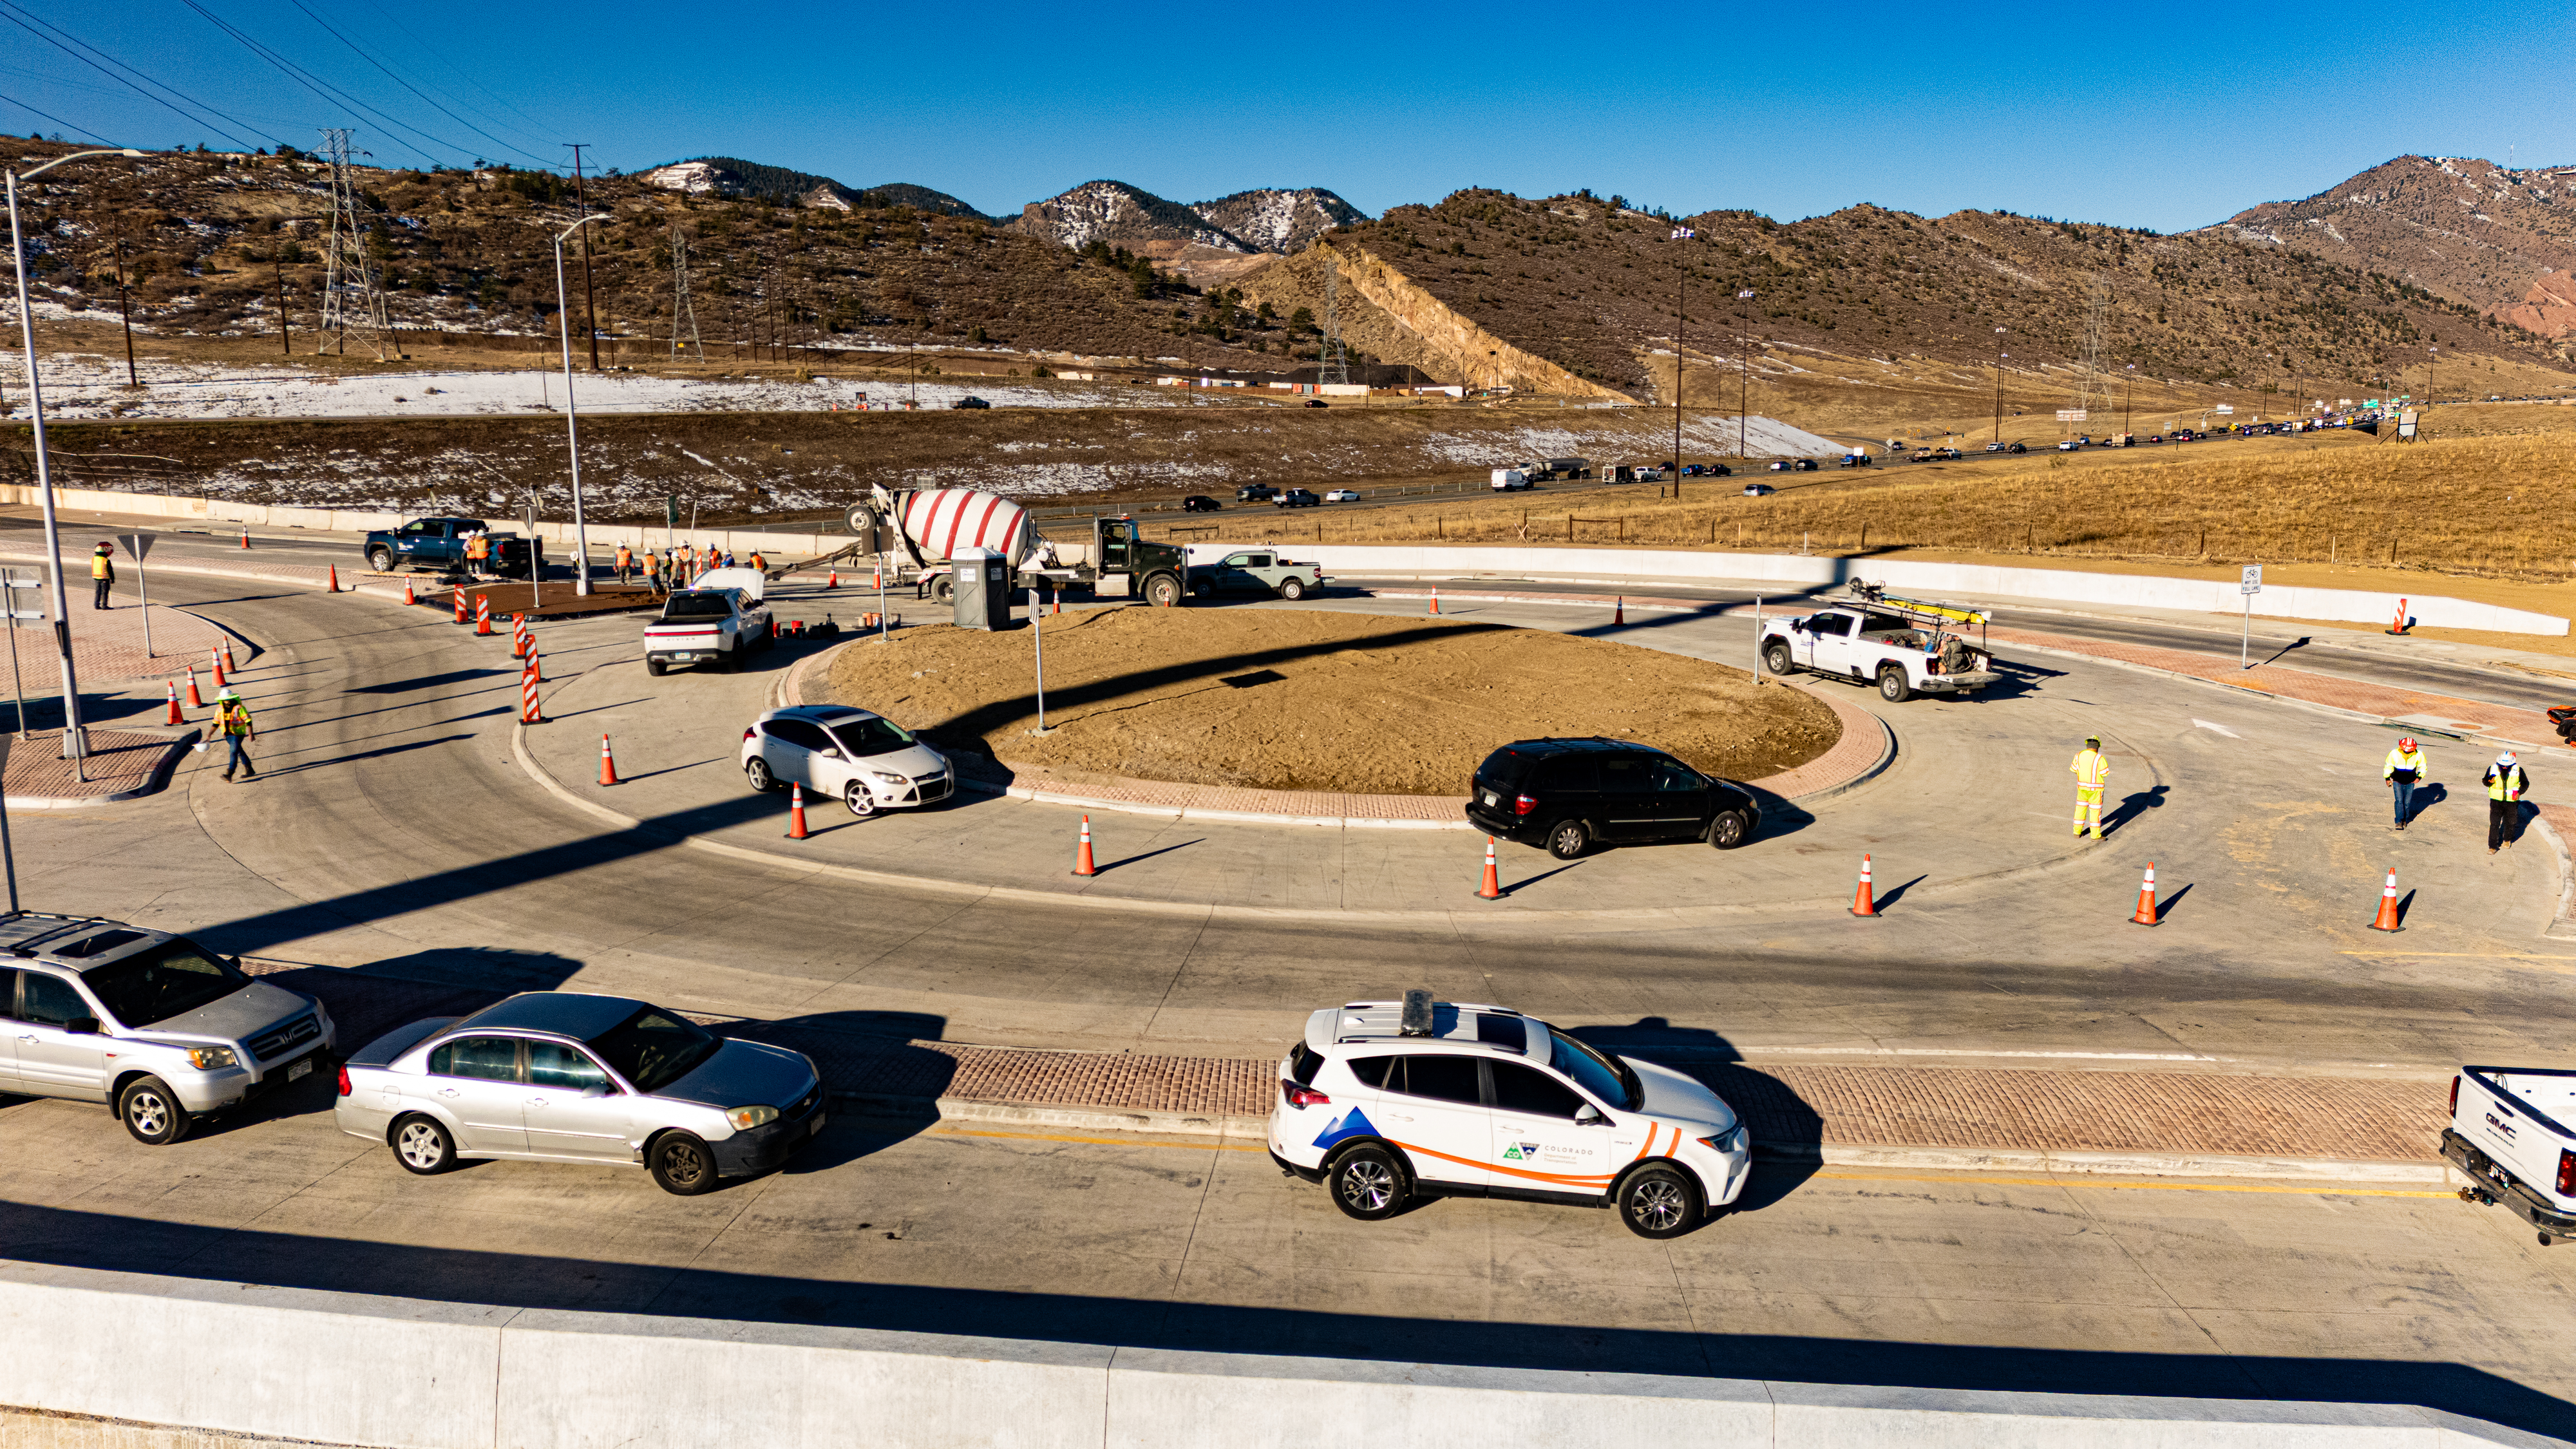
[1726, 1141]
[207, 1059]
[746, 1118]
[891, 779]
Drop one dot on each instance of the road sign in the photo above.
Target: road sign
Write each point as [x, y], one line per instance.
[2253, 582]
[140, 544]
[2070, 415]
[2225, 410]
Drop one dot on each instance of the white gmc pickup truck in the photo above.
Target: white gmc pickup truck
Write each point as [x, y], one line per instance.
[1903, 646]
[2513, 1131]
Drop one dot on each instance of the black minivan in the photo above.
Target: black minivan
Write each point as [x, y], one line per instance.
[1569, 794]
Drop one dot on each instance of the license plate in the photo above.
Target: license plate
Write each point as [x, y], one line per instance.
[300, 1069]
[817, 1129]
[683, 658]
[1493, 799]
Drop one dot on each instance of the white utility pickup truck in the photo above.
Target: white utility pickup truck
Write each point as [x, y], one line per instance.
[718, 622]
[2513, 1131]
[1907, 647]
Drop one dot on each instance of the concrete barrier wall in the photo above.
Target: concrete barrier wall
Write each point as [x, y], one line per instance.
[288, 1363]
[1975, 580]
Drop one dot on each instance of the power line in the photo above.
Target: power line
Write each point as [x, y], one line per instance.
[415, 90]
[439, 56]
[135, 83]
[323, 88]
[57, 120]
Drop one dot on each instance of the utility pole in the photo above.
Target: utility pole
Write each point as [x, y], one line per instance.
[1331, 364]
[285, 343]
[1999, 385]
[1681, 317]
[682, 309]
[125, 311]
[589, 293]
[1744, 403]
[2128, 394]
[345, 270]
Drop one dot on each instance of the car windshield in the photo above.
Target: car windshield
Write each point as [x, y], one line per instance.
[654, 1048]
[697, 606]
[1609, 1080]
[156, 985]
[872, 736]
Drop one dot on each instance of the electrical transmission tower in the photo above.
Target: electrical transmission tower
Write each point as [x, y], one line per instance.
[2092, 389]
[350, 296]
[1331, 363]
[684, 313]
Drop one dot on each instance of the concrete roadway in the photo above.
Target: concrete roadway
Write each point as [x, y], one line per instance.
[1957, 1280]
[394, 829]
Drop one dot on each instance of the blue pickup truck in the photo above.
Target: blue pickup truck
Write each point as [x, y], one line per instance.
[439, 543]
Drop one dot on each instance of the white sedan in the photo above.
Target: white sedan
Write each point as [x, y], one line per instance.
[864, 760]
[1343, 495]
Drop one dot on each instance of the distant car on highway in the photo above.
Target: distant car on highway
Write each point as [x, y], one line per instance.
[970, 402]
[1778, 465]
[837, 752]
[2069, 446]
[1569, 795]
[1994, 447]
[156, 1026]
[2016, 448]
[562, 1076]
[1298, 498]
[1255, 493]
[1759, 490]
[1803, 465]
[1200, 503]
[1384, 1102]
[1316, 402]
[1342, 495]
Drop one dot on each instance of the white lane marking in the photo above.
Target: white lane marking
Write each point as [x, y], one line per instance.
[1866, 1051]
[2222, 729]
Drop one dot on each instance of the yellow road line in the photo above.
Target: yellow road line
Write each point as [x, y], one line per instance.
[2073, 1181]
[2471, 955]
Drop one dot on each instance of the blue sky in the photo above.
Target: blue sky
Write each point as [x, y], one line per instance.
[2164, 119]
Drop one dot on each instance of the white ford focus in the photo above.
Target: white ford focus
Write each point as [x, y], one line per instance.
[863, 760]
[1383, 1101]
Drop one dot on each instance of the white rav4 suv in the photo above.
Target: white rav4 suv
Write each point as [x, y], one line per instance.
[1384, 1101]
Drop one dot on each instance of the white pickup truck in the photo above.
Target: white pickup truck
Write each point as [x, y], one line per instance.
[1907, 647]
[2513, 1131]
[718, 622]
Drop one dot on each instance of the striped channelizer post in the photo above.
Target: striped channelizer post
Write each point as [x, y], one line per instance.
[528, 711]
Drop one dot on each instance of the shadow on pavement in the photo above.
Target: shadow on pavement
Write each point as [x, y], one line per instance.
[107, 1241]
[2133, 806]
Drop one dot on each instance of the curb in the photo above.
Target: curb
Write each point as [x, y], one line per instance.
[2433, 1173]
[153, 784]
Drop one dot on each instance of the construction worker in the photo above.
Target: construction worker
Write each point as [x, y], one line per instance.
[684, 565]
[625, 564]
[232, 721]
[2092, 770]
[758, 564]
[478, 554]
[2403, 770]
[102, 573]
[2506, 785]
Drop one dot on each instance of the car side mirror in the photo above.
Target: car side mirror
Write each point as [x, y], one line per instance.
[1588, 1115]
[82, 1026]
[597, 1089]
[830, 753]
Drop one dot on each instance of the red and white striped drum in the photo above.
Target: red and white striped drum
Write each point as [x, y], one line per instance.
[940, 521]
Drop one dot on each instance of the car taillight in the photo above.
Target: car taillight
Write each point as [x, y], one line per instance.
[2455, 1094]
[1297, 1096]
[748, 732]
[2566, 1173]
[1524, 805]
[344, 1081]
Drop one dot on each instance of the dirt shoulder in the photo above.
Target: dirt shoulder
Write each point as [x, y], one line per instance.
[1290, 700]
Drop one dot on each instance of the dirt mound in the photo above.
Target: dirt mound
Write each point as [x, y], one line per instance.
[1285, 699]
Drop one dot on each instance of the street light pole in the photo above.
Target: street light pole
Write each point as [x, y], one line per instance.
[572, 424]
[1999, 385]
[75, 744]
[1681, 294]
[2128, 394]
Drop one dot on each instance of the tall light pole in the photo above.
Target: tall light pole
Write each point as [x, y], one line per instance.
[75, 744]
[572, 422]
[1999, 385]
[2127, 394]
[1744, 404]
[1681, 292]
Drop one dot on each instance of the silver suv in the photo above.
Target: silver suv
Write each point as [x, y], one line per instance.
[1385, 1101]
[161, 1028]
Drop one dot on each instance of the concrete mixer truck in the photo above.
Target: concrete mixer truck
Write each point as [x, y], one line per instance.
[928, 525]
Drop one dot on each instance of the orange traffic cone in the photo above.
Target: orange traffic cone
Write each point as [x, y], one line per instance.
[1055, 604]
[833, 580]
[795, 812]
[1861, 904]
[195, 700]
[1619, 610]
[607, 763]
[175, 716]
[229, 666]
[2146, 915]
[2388, 905]
[219, 669]
[1492, 889]
[1082, 852]
[245, 535]
[483, 616]
[2401, 626]
[335, 579]
[408, 598]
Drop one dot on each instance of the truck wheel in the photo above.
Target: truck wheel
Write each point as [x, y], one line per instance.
[2546, 1240]
[945, 591]
[1162, 591]
[1569, 840]
[381, 560]
[1892, 686]
[730, 660]
[1777, 658]
[655, 667]
[1292, 589]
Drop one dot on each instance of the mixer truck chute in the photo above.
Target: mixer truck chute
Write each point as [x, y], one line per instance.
[928, 525]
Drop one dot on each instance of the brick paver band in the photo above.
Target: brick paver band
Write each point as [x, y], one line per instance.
[119, 761]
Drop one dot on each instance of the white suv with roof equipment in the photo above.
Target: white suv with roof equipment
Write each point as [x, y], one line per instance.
[1386, 1101]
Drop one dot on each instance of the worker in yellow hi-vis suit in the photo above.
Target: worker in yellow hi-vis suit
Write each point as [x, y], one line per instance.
[2092, 771]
